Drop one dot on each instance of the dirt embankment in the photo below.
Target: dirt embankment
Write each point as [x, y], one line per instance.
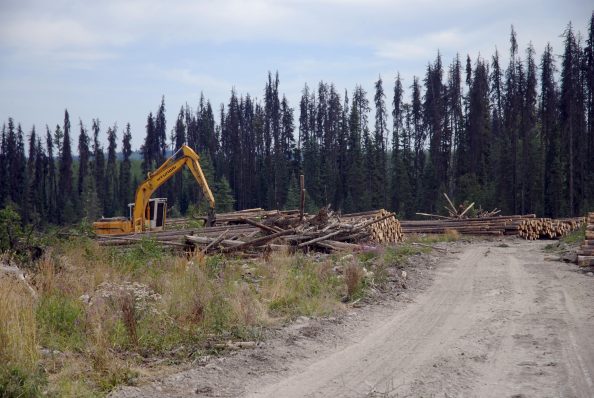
[497, 321]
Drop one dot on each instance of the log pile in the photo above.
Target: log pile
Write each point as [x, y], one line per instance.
[259, 230]
[586, 254]
[525, 226]
[388, 230]
[546, 228]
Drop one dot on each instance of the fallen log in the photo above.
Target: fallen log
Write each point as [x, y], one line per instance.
[258, 241]
[319, 239]
[215, 242]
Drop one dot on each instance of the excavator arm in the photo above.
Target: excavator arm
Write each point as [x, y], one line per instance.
[184, 156]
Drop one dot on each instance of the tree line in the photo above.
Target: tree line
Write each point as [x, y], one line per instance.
[519, 137]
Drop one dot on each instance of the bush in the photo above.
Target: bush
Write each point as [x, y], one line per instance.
[10, 228]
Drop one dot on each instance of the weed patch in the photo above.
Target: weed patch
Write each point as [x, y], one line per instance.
[61, 322]
[18, 382]
[297, 286]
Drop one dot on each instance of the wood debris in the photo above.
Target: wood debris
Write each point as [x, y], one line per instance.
[257, 230]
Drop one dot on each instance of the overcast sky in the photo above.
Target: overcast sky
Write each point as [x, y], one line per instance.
[113, 59]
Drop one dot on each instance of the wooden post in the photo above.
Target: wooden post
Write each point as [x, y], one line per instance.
[302, 199]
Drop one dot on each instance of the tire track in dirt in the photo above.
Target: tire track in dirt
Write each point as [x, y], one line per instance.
[497, 322]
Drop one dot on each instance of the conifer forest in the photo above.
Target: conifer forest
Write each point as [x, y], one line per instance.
[517, 135]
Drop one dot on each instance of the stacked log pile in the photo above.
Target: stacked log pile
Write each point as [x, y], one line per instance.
[525, 226]
[546, 228]
[258, 230]
[388, 230]
[586, 254]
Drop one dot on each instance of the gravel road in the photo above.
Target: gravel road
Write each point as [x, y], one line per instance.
[499, 320]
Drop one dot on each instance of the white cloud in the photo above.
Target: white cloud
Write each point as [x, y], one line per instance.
[189, 78]
[420, 47]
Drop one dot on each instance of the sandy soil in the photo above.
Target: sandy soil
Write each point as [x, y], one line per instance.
[498, 320]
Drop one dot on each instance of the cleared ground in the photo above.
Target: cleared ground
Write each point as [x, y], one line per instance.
[499, 320]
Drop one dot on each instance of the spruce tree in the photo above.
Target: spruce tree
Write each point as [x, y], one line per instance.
[400, 184]
[293, 194]
[531, 151]
[66, 211]
[456, 119]
[99, 166]
[508, 179]
[288, 155]
[379, 180]
[148, 155]
[359, 190]
[549, 119]
[310, 146]
[479, 139]
[160, 143]
[419, 137]
[84, 155]
[437, 130]
[589, 103]
[39, 198]
[30, 213]
[572, 119]
[177, 195]
[3, 167]
[224, 197]
[126, 189]
[111, 175]
[343, 160]
[51, 184]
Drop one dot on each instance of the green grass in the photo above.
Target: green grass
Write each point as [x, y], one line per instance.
[61, 321]
[17, 382]
[300, 286]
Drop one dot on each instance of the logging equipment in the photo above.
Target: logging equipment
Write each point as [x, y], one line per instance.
[147, 214]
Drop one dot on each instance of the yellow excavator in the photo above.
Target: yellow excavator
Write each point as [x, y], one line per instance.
[148, 214]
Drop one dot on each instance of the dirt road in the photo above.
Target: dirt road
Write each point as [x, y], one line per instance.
[497, 322]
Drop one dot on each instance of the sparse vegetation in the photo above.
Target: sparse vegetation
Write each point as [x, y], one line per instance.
[100, 313]
[395, 255]
[575, 237]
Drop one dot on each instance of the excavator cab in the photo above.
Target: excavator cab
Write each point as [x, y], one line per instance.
[155, 214]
